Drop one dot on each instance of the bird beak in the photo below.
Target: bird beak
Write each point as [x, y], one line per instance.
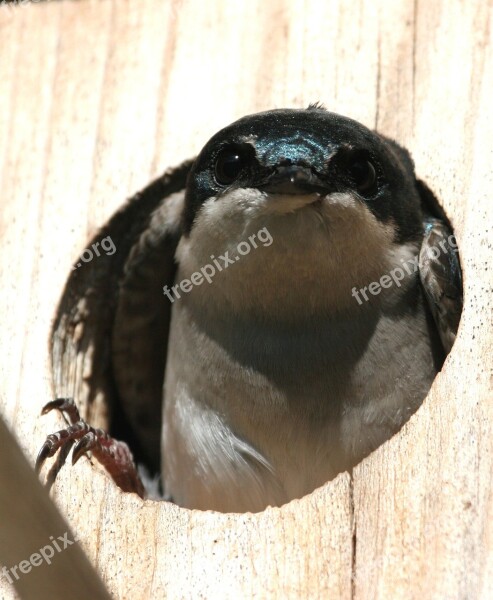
[294, 179]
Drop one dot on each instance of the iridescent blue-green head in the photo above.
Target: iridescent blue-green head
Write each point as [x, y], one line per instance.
[307, 151]
[339, 201]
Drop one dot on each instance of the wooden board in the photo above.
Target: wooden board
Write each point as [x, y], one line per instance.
[97, 97]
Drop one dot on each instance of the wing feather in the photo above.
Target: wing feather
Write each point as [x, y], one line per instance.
[441, 277]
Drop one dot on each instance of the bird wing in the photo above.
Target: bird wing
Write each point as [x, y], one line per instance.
[113, 313]
[441, 278]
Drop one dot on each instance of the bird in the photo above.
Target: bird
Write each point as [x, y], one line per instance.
[276, 308]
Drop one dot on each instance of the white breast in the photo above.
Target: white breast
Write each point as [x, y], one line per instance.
[272, 382]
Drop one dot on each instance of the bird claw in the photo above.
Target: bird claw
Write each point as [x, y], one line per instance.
[66, 406]
[114, 455]
[84, 445]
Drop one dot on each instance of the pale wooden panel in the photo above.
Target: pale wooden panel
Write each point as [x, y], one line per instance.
[96, 97]
[38, 549]
[424, 501]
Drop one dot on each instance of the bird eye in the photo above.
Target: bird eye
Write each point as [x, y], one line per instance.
[230, 162]
[363, 174]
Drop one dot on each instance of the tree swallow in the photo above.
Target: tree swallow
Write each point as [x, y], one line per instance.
[275, 310]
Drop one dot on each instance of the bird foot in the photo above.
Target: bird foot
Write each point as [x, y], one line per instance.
[115, 456]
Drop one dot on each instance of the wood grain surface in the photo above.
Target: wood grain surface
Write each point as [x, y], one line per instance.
[97, 97]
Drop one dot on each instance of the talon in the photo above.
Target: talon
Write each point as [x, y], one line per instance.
[43, 454]
[83, 445]
[50, 406]
[64, 405]
[62, 441]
